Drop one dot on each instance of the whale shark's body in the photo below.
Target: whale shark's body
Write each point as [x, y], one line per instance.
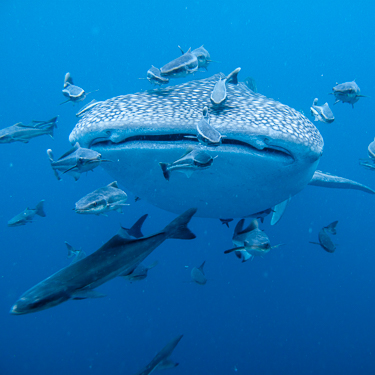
[268, 154]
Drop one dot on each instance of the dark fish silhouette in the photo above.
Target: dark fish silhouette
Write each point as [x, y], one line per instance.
[120, 254]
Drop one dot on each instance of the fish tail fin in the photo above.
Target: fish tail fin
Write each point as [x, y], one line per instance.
[136, 229]
[331, 228]
[164, 168]
[178, 227]
[201, 267]
[70, 249]
[50, 156]
[39, 209]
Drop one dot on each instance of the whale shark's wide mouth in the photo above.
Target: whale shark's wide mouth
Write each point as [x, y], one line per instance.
[190, 139]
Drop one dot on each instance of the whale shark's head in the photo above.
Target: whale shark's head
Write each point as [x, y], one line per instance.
[268, 152]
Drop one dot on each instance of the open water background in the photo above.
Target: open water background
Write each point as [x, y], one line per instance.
[299, 310]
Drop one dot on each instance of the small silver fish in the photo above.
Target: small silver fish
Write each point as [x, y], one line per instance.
[219, 93]
[102, 200]
[197, 275]
[27, 215]
[207, 134]
[322, 113]
[193, 160]
[76, 161]
[154, 77]
[23, 133]
[180, 67]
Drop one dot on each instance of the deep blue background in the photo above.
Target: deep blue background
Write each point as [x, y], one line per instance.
[299, 310]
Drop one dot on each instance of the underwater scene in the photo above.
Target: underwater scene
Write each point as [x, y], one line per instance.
[187, 187]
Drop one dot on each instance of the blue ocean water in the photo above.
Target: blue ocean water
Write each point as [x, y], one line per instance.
[299, 310]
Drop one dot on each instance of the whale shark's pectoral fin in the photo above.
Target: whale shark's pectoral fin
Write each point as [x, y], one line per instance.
[87, 293]
[330, 181]
[278, 211]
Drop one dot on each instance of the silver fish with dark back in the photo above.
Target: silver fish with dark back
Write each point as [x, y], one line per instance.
[75, 161]
[180, 67]
[27, 215]
[23, 133]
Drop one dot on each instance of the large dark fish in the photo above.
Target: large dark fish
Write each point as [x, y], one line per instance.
[120, 254]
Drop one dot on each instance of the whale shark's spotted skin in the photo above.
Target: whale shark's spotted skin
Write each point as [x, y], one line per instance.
[268, 153]
[181, 106]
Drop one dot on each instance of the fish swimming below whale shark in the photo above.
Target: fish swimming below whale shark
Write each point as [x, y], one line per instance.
[269, 151]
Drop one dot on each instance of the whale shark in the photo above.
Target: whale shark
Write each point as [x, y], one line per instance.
[269, 151]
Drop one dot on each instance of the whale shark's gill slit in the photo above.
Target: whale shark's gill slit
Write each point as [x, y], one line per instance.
[101, 142]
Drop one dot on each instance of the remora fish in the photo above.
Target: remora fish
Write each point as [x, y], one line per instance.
[193, 160]
[324, 240]
[180, 67]
[71, 91]
[27, 215]
[107, 198]
[79, 280]
[348, 92]
[76, 161]
[23, 133]
[322, 113]
[207, 135]
[197, 274]
[140, 272]
[161, 361]
[250, 242]
[270, 152]
[219, 93]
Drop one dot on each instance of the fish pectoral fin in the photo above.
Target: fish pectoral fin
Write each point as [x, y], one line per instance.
[331, 181]
[70, 169]
[187, 172]
[234, 249]
[165, 364]
[86, 293]
[278, 211]
[314, 243]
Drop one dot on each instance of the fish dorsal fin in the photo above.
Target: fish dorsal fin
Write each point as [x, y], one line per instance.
[189, 50]
[124, 233]
[253, 225]
[232, 77]
[113, 184]
[239, 227]
[182, 51]
[201, 267]
[188, 151]
[136, 229]
[73, 149]
[20, 125]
